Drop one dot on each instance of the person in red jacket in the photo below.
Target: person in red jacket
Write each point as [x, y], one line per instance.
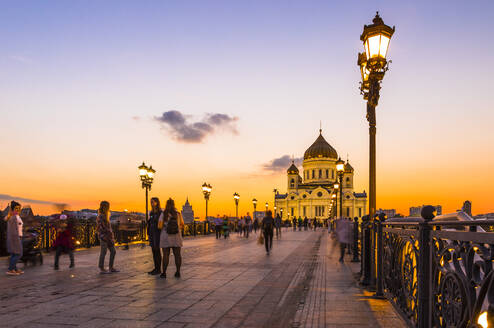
[64, 241]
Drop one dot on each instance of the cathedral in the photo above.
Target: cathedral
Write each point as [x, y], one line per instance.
[310, 195]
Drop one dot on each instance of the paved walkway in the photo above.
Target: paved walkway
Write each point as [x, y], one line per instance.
[225, 283]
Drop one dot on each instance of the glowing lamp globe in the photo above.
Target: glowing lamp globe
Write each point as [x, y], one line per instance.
[376, 39]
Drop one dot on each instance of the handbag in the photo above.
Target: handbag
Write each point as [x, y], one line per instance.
[260, 239]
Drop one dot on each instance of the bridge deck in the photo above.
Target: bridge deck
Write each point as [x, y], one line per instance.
[225, 283]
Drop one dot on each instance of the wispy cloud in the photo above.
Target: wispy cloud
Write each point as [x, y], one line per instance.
[29, 200]
[21, 59]
[281, 163]
[184, 130]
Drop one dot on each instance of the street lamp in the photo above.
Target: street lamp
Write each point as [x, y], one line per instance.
[274, 204]
[147, 175]
[254, 202]
[340, 168]
[281, 210]
[206, 190]
[266, 208]
[335, 201]
[236, 197]
[373, 65]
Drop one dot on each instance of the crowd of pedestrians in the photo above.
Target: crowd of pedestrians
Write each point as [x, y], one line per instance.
[164, 229]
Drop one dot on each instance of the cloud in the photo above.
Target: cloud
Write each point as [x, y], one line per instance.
[185, 131]
[281, 163]
[21, 59]
[28, 200]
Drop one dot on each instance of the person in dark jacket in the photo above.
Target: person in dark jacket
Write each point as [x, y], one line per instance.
[267, 227]
[154, 234]
[294, 221]
[14, 237]
[64, 241]
[277, 225]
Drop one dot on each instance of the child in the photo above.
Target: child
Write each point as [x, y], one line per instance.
[64, 241]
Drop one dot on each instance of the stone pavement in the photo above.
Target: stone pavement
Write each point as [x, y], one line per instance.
[225, 283]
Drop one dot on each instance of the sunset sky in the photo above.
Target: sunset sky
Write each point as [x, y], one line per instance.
[216, 90]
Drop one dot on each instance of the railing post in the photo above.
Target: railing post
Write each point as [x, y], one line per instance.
[366, 251]
[379, 257]
[373, 250]
[355, 240]
[118, 232]
[424, 269]
[194, 228]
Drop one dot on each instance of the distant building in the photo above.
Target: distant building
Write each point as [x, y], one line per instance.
[467, 207]
[415, 211]
[488, 216]
[391, 213]
[309, 191]
[187, 212]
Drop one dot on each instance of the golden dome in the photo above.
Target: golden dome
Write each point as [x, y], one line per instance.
[320, 149]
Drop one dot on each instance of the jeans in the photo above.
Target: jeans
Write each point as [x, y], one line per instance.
[104, 248]
[268, 239]
[157, 258]
[342, 251]
[217, 229]
[14, 258]
[278, 232]
[59, 251]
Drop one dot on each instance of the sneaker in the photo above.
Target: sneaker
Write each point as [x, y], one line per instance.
[163, 275]
[12, 273]
[19, 271]
[177, 274]
[113, 270]
[71, 265]
[103, 271]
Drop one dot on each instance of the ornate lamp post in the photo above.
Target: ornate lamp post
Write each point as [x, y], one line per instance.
[340, 168]
[274, 203]
[335, 201]
[206, 190]
[236, 197]
[373, 65]
[254, 202]
[147, 175]
[266, 208]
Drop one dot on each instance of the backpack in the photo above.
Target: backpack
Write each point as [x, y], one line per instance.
[172, 226]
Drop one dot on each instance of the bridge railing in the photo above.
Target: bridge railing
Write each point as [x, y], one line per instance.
[438, 272]
[85, 233]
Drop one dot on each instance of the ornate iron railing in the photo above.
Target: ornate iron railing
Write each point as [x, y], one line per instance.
[436, 272]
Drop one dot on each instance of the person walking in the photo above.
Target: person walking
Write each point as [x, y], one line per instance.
[344, 235]
[14, 238]
[256, 225]
[171, 236]
[154, 233]
[277, 225]
[241, 225]
[300, 223]
[64, 242]
[294, 221]
[106, 237]
[267, 226]
[226, 227]
[218, 223]
[306, 223]
[248, 225]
